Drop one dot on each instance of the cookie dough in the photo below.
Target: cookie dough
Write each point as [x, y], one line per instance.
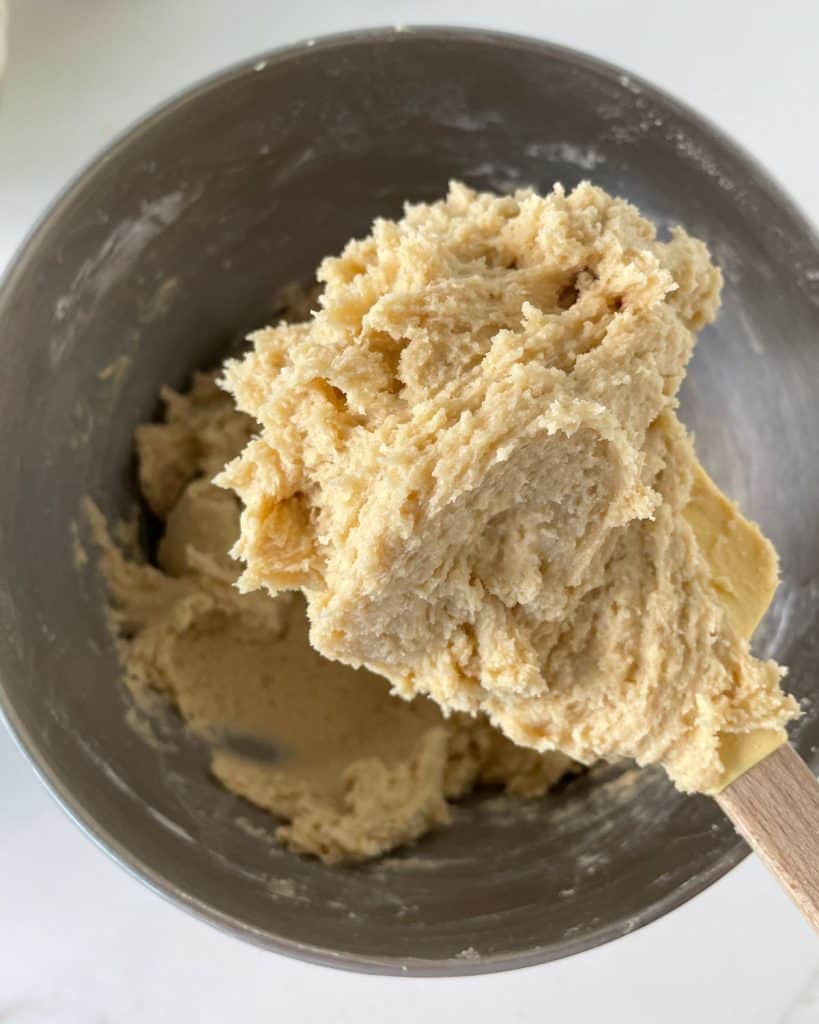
[470, 464]
[354, 771]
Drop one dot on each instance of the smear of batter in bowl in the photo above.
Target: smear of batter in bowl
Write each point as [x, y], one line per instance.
[352, 770]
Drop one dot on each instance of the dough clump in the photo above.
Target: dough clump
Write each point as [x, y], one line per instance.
[352, 770]
[469, 462]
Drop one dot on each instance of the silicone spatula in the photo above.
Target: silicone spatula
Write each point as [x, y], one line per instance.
[767, 791]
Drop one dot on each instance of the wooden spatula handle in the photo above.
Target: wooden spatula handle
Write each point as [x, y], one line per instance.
[775, 807]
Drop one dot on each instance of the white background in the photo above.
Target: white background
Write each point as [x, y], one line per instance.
[80, 941]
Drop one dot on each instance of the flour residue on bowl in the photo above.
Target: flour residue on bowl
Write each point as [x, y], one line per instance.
[113, 260]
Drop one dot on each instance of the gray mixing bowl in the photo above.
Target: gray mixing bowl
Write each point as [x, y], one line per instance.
[174, 242]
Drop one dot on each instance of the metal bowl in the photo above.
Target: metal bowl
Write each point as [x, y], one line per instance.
[175, 241]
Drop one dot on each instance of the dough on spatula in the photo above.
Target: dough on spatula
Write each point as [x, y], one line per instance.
[470, 463]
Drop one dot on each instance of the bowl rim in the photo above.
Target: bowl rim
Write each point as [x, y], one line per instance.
[28, 743]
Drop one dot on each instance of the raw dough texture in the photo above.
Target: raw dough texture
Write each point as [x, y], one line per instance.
[354, 771]
[470, 463]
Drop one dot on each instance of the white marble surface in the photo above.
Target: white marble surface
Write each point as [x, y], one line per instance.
[80, 941]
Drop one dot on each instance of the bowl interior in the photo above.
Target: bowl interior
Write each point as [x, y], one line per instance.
[175, 243]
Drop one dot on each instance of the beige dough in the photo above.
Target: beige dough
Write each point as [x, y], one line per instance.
[355, 771]
[470, 464]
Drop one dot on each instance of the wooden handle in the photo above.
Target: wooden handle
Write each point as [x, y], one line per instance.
[775, 807]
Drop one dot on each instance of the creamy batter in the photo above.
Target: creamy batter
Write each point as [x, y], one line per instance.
[353, 770]
[470, 463]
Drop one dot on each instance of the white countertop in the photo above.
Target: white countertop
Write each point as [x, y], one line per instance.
[81, 941]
